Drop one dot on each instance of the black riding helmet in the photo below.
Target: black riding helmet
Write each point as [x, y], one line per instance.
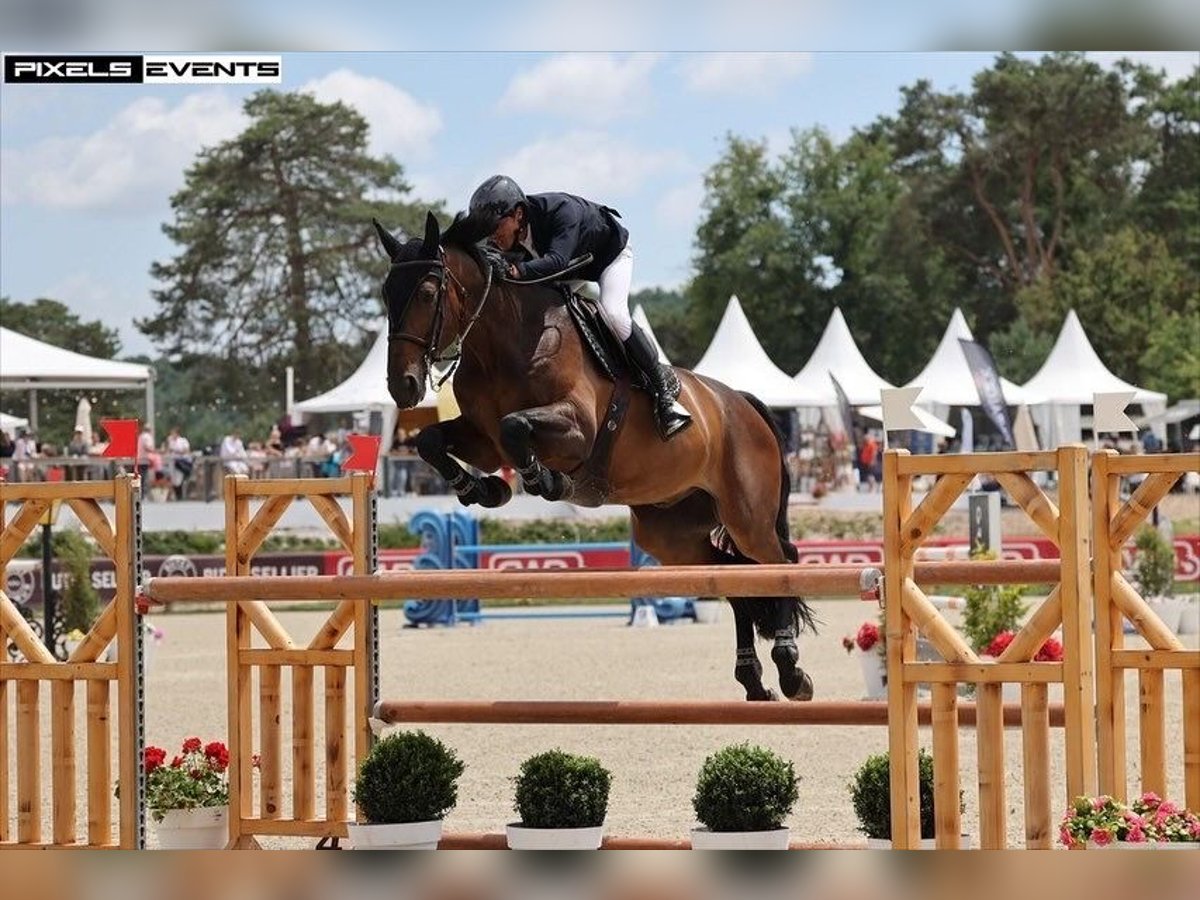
[493, 200]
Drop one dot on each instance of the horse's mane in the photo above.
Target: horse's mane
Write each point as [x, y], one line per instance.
[466, 235]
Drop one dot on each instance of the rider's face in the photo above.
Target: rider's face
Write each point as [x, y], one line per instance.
[509, 229]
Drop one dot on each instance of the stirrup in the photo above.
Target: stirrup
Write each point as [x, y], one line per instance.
[676, 420]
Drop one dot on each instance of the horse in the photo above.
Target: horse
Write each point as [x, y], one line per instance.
[533, 398]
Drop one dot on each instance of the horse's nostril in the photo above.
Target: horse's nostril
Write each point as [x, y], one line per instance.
[412, 386]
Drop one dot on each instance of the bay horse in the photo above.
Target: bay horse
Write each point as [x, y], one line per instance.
[533, 398]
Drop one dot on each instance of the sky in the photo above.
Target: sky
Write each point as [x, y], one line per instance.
[86, 171]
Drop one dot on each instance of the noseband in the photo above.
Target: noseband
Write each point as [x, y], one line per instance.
[432, 357]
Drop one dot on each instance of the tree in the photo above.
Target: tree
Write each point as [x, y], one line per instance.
[745, 246]
[53, 323]
[278, 262]
[1171, 361]
[1122, 290]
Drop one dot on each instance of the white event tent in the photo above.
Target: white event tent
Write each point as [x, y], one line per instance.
[838, 355]
[1071, 374]
[736, 358]
[365, 390]
[10, 424]
[947, 379]
[29, 364]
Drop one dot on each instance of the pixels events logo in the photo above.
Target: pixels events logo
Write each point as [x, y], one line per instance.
[142, 69]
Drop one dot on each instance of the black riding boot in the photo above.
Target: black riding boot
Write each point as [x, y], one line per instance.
[670, 417]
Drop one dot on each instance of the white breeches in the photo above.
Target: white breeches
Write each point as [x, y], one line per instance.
[614, 294]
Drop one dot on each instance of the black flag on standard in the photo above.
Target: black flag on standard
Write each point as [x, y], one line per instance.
[847, 415]
[987, 383]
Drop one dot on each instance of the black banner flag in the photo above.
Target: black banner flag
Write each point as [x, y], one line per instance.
[987, 383]
[847, 415]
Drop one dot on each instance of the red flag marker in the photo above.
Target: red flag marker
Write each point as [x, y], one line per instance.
[365, 453]
[122, 437]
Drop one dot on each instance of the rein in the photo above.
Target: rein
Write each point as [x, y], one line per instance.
[452, 355]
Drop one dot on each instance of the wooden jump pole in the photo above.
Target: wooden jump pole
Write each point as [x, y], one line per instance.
[701, 581]
[664, 712]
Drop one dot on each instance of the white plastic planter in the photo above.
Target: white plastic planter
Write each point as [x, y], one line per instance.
[522, 838]
[774, 839]
[395, 836]
[194, 829]
[707, 611]
[874, 670]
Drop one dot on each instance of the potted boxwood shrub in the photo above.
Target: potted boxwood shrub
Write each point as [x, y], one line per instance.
[870, 793]
[405, 786]
[744, 794]
[562, 800]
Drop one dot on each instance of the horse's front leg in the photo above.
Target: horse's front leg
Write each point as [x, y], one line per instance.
[459, 436]
[544, 432]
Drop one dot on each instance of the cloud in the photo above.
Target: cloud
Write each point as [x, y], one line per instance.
[131, 164]
[738, 73]
[679, 207]
[589, 163]
[593, 86]
[400, 124]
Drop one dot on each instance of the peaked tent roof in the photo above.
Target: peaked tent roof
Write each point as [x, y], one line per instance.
[837, 352]
[366, 388]
[1073, 371]
[947, 379]
[639, 318]
[26, 362]
[736, 358]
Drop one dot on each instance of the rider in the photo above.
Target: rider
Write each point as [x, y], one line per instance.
[552, 229]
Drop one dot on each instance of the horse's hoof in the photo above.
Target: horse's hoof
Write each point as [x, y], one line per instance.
[765, 695]
[494, 491]
[797, 685]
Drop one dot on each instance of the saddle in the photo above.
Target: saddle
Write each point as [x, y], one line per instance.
[604, 346]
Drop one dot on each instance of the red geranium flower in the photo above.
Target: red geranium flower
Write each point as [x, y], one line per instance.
[152, 758]
[999, 643]
[177, 762]
[867, 637]
[191, 745]
[1052, 651]
[217, 756]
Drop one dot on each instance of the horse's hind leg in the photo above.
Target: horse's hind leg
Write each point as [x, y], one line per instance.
[679, 535]
[778, 619]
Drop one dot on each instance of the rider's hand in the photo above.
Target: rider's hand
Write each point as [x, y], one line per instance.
[513, 272]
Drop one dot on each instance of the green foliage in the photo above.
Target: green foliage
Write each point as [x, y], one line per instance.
[991, 609]
[408, 777]
[395, 535]
[1155, 562]
[745, 788]
[1171, 360]
[295, 543]
[870, 793]
[561, 790]
[551, 531]
[1127, 288]
[835, 526]
[277, 262]
[182, 543]
[673, 325]
[1020, 349]
[81, 601]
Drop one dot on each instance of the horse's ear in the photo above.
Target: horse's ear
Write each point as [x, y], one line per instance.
[391, 246]
[433, 237]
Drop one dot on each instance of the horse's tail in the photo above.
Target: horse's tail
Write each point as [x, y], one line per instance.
[802, 614]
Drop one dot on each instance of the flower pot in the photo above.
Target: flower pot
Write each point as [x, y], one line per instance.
[774, 839]
[395, 835]
[707, 611]
[874, 670]
[522, 838]
[206, 828]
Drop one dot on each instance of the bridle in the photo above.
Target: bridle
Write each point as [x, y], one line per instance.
[452, 355]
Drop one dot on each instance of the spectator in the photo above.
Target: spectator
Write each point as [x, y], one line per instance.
[78, 446]
[274, 445]
[24, 449]
[1151, 443]
[148, 458]
[233, 453]
[179, 451]
[6, 451]
[868, 456]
